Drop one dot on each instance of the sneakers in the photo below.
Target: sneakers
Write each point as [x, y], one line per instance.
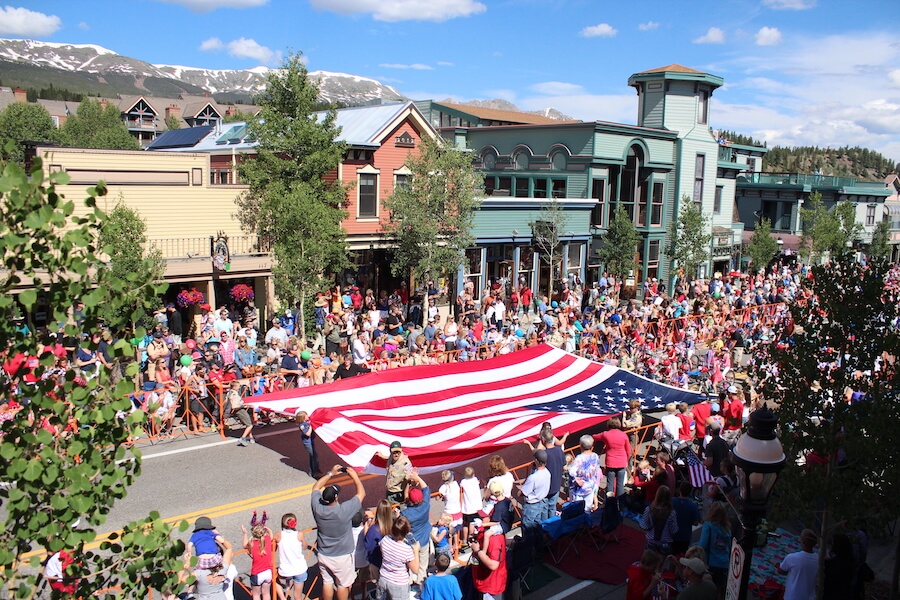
[252, 440]
[242, 443]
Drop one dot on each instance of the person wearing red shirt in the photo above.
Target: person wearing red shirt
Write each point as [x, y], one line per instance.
[701, 412]
[617, 448]
[734, 415]
[687, 419]
[643, 576]
[489, 575]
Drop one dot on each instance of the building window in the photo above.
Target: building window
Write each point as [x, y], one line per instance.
[559, 188]
[368, 195]
[473, 270]
[521, 187]
[489, 184]
[540, 188]
[558, 161]
[717, 203]
[504, 186]
[653, 258]
[522, 161]
[401, 181]
[703, 116]
[870, 215]
[751, 164]
[657, 208]
[699, 168]
[598, 193]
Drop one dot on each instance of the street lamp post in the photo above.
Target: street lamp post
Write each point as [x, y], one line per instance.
[758, 459]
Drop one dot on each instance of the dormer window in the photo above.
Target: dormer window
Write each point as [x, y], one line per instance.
[404, 140]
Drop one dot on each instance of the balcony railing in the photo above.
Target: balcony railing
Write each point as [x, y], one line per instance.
[814, 181]
[202, 247]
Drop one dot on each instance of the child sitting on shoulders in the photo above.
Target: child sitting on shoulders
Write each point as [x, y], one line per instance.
[440, 535]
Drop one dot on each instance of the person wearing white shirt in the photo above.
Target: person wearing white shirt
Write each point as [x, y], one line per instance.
[277, 332]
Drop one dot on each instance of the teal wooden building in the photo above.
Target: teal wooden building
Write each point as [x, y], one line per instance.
[588, 168]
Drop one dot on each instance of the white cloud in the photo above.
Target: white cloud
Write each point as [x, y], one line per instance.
[248, 48]
[601, 30]
[894, 77]
[649, 26]
[205, 6]
[444, 63]
[213, 44]
[713, 36]
[84, 26]
[556, 88]
[768, 36]
[789, 4]
[404, 10]
[414, 66]
[27, 23]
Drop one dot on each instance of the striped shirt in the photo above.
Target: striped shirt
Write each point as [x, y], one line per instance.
[395, 555]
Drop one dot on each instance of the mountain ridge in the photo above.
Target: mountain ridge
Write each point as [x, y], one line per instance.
[94, 70]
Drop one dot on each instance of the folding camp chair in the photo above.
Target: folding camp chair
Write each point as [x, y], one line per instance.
[563, 531]
[522, 555]
[606, 522]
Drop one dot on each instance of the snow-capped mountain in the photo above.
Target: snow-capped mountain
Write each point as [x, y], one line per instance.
[86, 68]
[110, 73]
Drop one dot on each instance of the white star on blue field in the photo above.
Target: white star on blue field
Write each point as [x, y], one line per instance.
[613, 396]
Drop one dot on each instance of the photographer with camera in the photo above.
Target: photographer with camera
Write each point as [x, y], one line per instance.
[335, 544]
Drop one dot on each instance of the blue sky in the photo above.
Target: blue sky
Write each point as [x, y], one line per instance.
[797, 72]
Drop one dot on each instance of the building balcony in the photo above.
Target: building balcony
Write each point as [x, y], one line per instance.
[203, 247]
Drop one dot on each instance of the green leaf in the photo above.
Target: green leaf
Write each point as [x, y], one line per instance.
[28, 298]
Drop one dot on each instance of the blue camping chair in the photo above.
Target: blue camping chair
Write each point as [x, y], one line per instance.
[563, 531]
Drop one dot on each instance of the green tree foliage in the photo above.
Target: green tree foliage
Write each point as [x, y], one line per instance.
[236, 116]
[172, 123]
[433, 214]
[827, 232]
[619, 245]
[762, 246]
[880, 247]
[690, 238]
[123, 239]
[97, 126]
[290, 202]
[547, 233]
[55, 479]
[21, 122]
[840, 454]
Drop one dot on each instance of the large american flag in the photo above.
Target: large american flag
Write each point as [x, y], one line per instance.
[697, 471]
[451, 414]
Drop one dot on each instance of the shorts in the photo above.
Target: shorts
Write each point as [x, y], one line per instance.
[287, 580]
[337, 570]
[469, 519]
[243, 417]
[261, 578]
[457, 520]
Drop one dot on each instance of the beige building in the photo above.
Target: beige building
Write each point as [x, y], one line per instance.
[191, 221]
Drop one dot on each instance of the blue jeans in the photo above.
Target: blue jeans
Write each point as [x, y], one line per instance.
[549, 506]
[313, 456]
[615, 480]
[531, 514]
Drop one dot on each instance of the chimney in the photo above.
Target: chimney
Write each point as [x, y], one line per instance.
[173, 111]
[21, 95]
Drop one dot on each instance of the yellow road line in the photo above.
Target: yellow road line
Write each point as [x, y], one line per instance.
[219, 511]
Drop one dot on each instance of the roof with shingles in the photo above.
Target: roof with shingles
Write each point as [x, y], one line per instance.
[673, 68]
[495, 114]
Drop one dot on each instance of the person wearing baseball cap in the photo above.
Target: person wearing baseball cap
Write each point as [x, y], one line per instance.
[734, 415]
[396, 474]
[418, 512]
[698, 588]
[534, 489]
[335, 542]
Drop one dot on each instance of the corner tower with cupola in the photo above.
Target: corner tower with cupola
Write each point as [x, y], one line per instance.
[677, 98]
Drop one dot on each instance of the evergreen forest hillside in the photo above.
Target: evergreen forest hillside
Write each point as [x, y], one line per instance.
[862, 163]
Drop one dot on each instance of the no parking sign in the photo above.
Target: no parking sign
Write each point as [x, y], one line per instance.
[735, 569]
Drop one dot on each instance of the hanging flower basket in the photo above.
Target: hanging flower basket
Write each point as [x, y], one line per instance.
[189, 297]
[242, 293]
